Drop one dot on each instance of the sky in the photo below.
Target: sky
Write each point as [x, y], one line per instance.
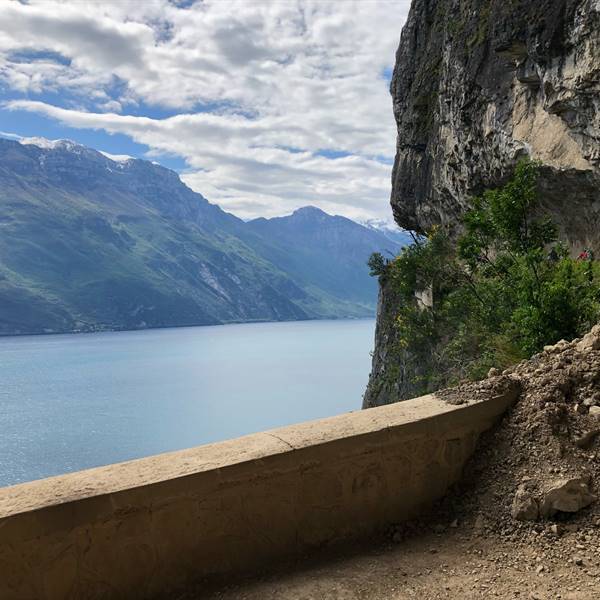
[262, 107]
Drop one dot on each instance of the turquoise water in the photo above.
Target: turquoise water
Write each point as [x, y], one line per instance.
[69, 402]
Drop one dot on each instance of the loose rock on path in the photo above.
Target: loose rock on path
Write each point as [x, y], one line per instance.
[523, 523]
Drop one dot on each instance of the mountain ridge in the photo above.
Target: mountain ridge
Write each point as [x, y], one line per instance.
[90, 243]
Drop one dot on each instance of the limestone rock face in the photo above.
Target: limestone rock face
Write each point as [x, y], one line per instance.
[479, 84]
[476, 86]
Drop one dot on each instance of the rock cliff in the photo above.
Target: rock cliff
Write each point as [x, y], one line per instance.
[479, 84]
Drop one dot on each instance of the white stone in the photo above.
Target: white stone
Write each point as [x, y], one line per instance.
[566, 495]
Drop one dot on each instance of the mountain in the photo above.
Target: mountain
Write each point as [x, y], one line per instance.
[91, 243]
[325, 252]
[390, 230]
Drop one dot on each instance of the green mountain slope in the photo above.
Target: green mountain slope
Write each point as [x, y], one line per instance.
[324, 252]
[88, 243]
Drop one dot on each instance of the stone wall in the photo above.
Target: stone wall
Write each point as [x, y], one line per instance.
[144, 528]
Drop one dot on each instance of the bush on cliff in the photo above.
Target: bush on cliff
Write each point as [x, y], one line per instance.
[506, 289]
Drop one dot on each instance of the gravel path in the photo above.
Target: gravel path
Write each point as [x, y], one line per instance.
[453, 564]
[523, 523]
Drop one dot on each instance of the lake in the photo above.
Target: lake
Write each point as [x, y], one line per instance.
[70, 402]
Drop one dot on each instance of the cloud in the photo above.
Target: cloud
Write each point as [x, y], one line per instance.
[263, 95]
[12, 136]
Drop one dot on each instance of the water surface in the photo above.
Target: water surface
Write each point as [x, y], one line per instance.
[69, 402]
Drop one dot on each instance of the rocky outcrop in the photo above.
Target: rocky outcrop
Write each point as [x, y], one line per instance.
[479, 84]
[394, 372]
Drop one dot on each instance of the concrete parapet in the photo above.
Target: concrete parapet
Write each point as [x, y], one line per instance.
[140, 528]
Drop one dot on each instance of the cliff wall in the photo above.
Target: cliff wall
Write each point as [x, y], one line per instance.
[479, 84]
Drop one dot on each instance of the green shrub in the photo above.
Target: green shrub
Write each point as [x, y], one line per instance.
[377, 265]
[506, 289]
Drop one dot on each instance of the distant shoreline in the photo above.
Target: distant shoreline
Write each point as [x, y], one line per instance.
[132, 329]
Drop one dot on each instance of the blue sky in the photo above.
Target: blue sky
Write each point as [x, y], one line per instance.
[260, 106]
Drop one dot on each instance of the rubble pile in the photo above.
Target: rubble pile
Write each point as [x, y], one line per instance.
[539, 470]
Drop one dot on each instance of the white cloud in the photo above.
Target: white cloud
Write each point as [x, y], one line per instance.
[285, 85]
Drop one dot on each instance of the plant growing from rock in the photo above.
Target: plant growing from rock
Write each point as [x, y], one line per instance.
[505, 290]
